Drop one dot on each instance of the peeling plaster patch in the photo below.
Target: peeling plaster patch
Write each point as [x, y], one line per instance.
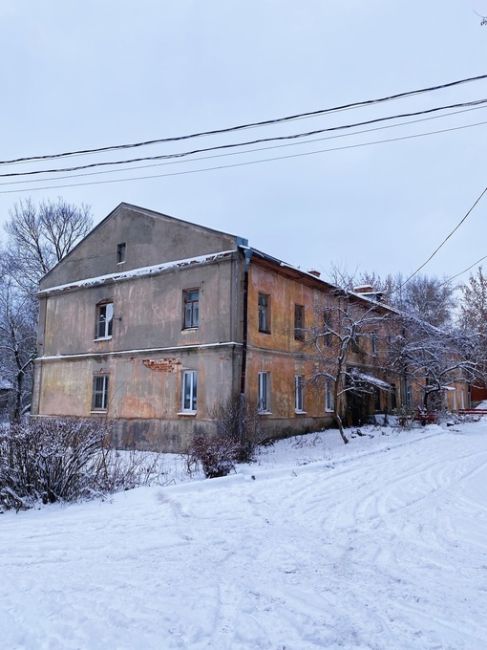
[162, 365]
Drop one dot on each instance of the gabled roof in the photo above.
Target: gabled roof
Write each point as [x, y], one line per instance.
[149, 213]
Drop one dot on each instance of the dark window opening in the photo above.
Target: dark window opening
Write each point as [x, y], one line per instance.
[299, 322]
[263, 402]
[264, 313]
[299, 393]
[191, 314]
[100, 392]
[327, 328]
[121, 250]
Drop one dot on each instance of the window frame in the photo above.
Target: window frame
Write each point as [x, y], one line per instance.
[193, 391]
[264, 312]
[101, 318]
[263, 392]
[299, 394]
[299, 322]
[103, 392]
[373, 343]
[193, 322]
[329, 396]
[121, 252]
[327, 326]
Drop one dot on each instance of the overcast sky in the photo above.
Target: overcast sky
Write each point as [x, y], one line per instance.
[95, 73]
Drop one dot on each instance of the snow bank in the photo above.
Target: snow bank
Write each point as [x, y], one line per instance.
[378, 544]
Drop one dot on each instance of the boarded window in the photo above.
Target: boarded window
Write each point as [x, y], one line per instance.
[191, 308]
[299, 322]
[264, 313]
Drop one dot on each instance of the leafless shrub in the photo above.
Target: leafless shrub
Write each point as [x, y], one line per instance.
[216, 453]
[237, 420]
[62, 460]
[405, 418]
[234, 441]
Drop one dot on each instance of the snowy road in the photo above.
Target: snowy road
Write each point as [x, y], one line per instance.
[387, 551]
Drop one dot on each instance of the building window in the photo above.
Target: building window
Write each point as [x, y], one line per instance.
[121, 250]
[100, 393]
[374, 344]
[392, 398]
[299, 322]
[191, 315]
[104, 320]
[190, 391]
[329, 396]
[327, 328]
[264, 392]
[299, 394]
[264, 313]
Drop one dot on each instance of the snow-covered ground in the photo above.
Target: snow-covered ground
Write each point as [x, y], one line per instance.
[379, 544]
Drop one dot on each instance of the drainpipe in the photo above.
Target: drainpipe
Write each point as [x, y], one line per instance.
[247, 258]
[243, 370]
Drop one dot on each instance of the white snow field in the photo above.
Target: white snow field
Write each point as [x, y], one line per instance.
[380, 544]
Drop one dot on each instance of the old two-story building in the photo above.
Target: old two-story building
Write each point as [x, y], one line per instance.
[152, 322]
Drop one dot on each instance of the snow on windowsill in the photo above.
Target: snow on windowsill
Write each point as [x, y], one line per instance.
[103, 338]
[300, 412]
[264, 413]
[190, 413]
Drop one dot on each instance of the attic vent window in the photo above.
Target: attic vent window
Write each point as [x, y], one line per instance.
[121, 250]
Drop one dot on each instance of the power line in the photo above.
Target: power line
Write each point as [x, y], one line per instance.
[245, 163]
[294, 136]
[450, 234]
[452, 277]
[249, 125]
[256, 149]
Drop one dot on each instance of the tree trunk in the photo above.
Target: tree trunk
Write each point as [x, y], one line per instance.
[17, 414]
[338, 420]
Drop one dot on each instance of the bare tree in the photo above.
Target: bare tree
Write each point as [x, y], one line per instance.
[473, 318]
[432, 358]
[40, 236]
[348, 339]
[17, 343]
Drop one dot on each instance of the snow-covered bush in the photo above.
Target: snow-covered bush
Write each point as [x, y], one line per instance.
[61, 460]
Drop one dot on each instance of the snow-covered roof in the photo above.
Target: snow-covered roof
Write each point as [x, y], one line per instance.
[5, 384]
[370, 379]
[137, 273]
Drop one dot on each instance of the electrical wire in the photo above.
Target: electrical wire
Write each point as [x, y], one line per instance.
[452, 277]
[450, 234]
[294, 136]
[245, 163]
[247, 151]
[249, 125]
